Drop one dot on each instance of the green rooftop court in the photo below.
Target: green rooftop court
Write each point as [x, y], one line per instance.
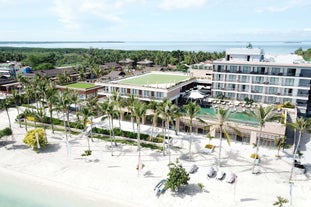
[81, 85]
[153, 79]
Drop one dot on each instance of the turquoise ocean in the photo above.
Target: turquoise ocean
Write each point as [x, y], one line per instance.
[20, 192]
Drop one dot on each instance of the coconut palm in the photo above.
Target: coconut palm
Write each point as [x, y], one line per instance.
[27, 113]
[107, 109]
[280, 143]
[153, 106]
[168, 112]
[140, 109]
[86, 113]
[192, 110]
[4, 105]
[263, 115]
[129, 102]
[51, 100]
[222, 123]
[117, 99]
[17, 99]
[301, 125]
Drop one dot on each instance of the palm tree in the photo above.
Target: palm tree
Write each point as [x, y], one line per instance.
[262, 115]
[153, 106]
[85, 112]
[280, 201]
[116, 98]
[140, 109]
[51, 100]
[192, 110]
[130, 107]
[168, 112]
[17, 100]
[107, 108]
[302, 125]
[222, 123]
[4, 105]
[280, 143]
[27, 113]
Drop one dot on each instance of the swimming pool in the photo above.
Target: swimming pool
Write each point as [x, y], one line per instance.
[234, 116]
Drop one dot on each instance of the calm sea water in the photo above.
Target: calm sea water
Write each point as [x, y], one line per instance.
[15, 192]
[270, 47]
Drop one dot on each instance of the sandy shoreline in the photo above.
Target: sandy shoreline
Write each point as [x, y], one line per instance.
[114, 179]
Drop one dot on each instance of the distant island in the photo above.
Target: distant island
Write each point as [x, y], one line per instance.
[56, 42]
[292, 42]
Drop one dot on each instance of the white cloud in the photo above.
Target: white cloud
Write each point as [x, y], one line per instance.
[282, 6]
[72, 12]
[307, 29]
[181, 4]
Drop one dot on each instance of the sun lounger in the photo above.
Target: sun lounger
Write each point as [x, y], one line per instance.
[210, 172]
[194, 168]
[220, 175]
[231, 178]
[160, 187]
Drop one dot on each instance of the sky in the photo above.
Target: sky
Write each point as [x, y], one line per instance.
[155, 20]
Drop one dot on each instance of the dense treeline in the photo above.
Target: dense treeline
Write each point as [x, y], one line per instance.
[305, 54]
[47, 58]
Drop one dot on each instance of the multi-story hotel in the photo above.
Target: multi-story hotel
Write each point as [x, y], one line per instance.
[247, 72]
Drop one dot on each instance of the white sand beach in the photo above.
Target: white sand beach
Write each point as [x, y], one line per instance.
[114, 180]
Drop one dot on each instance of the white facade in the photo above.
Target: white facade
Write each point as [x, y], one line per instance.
[267, 81]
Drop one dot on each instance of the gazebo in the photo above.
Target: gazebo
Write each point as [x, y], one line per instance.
[145, 62]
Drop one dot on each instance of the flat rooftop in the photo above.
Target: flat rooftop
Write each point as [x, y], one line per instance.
[155, 79]
[81, 85]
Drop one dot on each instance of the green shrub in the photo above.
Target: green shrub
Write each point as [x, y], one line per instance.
[86, 153]
[5, 132]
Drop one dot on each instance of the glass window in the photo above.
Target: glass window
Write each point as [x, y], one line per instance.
[146, 93]
[122, 91]
[275, 71]
[273, 90]
[233, 68]
[244, 78]
[289, 82]
[246, 69]
[134, 91]
[231, 78]
[274, 81]
[159, 95]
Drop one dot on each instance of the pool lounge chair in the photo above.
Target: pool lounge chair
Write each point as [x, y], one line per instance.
[231, 178]
[220, 175]
[211, 172]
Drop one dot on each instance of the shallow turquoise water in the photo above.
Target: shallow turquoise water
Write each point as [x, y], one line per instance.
[15, 192]
[234, 116]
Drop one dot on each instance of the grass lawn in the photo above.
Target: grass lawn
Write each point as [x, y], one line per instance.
[81, 85]
[154, 79]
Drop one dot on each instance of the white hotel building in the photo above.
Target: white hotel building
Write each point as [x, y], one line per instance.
[247, 72]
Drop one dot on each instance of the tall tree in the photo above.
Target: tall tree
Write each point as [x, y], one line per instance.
[86, 113]
[223, 124]
[262, 115]
[301, 125]
[192, 110]
[4, 105]
[140, 109]
[17, 99]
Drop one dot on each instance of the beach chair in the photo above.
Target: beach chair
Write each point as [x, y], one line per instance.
[194, 168]
[211, 172]
[231, 178]
[220, 175]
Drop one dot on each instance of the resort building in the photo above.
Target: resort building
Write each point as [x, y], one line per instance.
[150, 86]
[248, 73]
[84, 90]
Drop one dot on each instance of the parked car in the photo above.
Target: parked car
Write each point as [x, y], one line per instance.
[194, 168]
[231, 178]
[211, 172]
[160, 187]
[220, 175]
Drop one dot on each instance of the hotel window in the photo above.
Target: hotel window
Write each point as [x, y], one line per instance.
[244, 88]
[244, 78]
[146, 93]
[158, 94]
[122, 91]
[231, 78]
[246, 69]
[233, 69]
[289, 82]
[230, 95]
[230, 86]
[275, 71]
[257, 89]
[271, 99]
[258, 79]
[134, 91]
[273, 90]
[274, 81]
